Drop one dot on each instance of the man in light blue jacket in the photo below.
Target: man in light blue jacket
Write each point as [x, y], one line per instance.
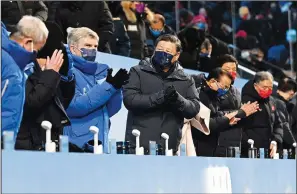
[18, 50]
[98, 95]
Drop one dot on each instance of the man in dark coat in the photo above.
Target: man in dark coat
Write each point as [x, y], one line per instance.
[49, 90]
[285, 92]
[154, 29]
[230, 102]
[210, 90]
[265, 125]
[159, 95]
[13, 11]
[94, 15]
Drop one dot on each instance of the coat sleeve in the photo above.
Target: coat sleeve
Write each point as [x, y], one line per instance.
[12, 104]
[288, 137]
[115, 103]
[41, 11]
[218, 124]
[189, 106]
[67, 90]
[278, 131]
[38, 95]
[83, 104]
[135, 100]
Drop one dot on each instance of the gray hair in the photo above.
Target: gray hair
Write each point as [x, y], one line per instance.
[33, 27]
[262, 76]
[76, 34]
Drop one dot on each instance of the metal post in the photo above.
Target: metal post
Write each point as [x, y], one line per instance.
[176, 17]
[233, 26]
[189, 5]
[290, 43]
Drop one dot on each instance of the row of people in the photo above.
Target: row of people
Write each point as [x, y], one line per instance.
[72, 91]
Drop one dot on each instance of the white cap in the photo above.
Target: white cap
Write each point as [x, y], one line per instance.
[165, 135]
[46, 125]
[94, 129]
[295, 145]
[250, 141]
[136, 132]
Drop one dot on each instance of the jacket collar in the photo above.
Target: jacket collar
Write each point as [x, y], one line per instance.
[85, 66]
[21, 56]
[178, 72]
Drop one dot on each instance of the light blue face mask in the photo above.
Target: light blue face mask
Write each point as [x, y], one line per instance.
[155, 33]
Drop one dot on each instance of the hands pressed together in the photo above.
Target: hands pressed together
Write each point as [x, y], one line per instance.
[119, 79]
[250, 108]
[170, 94]
[54, 62]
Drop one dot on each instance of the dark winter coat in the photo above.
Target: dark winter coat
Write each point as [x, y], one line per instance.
[11, 12]
[294, 122]
[206, 145]
[120, 41]
[148, 110]
[287, 121]
[92, 14]
[47, 97]
[265, 125]
[228, 103]
[150, 40]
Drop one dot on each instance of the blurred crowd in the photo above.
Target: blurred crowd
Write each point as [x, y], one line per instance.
[49, 71]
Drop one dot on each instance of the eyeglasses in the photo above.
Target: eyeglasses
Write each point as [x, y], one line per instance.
[265, 87]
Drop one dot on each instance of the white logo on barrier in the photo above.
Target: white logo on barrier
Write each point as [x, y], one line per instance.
[218, 180]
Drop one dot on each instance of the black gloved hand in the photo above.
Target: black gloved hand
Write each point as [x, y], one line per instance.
[120, 78]
[170, 94]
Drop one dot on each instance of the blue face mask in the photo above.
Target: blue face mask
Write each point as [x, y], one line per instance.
[89, 54]
[222, 92]
[155, 33]
[162, 59]
[204, 55]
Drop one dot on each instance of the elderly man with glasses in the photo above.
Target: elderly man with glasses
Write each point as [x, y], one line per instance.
[265, 126]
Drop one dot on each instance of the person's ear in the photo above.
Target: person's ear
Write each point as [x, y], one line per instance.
[72, 49]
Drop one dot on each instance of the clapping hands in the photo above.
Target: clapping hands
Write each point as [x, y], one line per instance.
[120, 78]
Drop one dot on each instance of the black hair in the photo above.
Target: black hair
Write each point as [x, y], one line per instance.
[170, 38]
[222, 59]
[217, 73]
[287, 84]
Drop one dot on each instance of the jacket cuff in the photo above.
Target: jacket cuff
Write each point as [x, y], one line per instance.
[67, 78]
[108, 87]
[49, 78]
[240, 114]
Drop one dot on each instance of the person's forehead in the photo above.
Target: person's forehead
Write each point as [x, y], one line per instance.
[229, 65]
[266, 83]
[166, 45]
[88, 40]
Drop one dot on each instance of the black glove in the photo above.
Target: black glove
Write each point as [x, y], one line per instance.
[65, 66]
[120, 78]
[170, 94]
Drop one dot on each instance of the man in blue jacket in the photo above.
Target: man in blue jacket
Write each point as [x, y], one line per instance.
[18, 50]
[98, 95]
